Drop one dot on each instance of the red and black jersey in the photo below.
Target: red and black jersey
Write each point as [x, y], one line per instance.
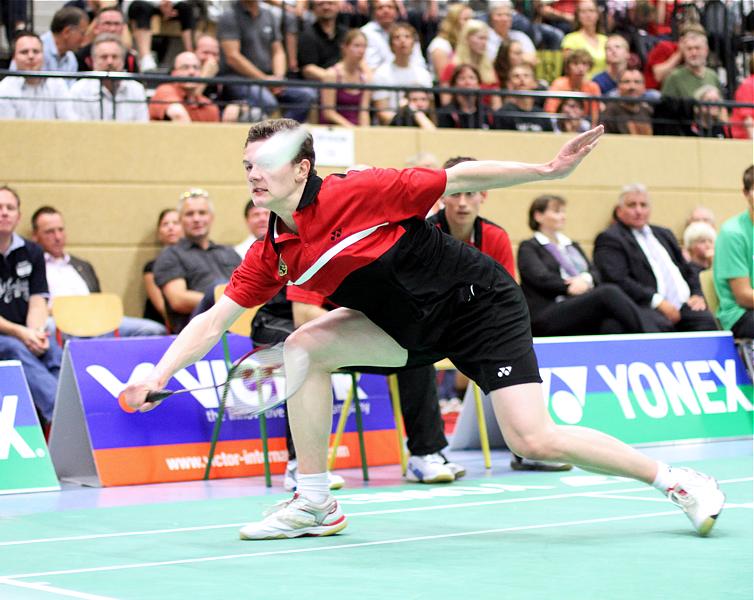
[487, 236]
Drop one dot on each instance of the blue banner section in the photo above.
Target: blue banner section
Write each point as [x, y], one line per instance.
[103, 367]
[13, 383]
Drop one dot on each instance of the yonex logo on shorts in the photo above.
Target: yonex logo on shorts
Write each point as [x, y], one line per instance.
[504, 371]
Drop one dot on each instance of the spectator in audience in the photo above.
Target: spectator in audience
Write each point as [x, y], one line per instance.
[517, 110]
[560, 14]
[661, 61]
[471, 50]
[169, 231]
[710, 121]
[616, 57]
[400, 72]
[699, 246]
[465, 111]
[733, 266]
[500, 16]
[71, 276]
[576, 66]
[633, 118]
[319, 45]
[442, 48]
[109, 19]
[570, 117]
[647, 263]
[379, 42]
[742, 119]
[181, 102]
[140, 13]
[702, 214]
[257, 219]
[251, 47]
[588, 36]
[693, 73]
[66, 35]
[109, 99]
[564, 291]
[188, 271]
[343, 106]
[417, 112]
[23, 308]
[33, 97]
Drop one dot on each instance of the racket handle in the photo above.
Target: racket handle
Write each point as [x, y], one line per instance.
[158, 395]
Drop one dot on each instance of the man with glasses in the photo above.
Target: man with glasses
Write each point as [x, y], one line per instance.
[109, 20]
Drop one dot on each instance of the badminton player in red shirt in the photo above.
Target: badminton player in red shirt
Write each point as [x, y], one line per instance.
[410, 295]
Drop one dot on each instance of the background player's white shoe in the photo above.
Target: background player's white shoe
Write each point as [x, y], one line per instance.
[290, 480]
[295, 518]
[429, 468]
[700, 498]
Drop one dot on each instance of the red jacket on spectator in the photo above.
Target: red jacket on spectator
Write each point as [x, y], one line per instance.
[659, 54]
[744, 93]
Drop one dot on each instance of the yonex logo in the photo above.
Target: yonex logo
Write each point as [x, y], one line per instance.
[504, 371]
[566, 404]
[334, 235]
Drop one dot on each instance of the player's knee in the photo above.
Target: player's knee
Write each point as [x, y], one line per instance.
[537, 446]
[304, 341]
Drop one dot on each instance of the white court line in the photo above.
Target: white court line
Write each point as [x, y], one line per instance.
[582, 494]
[40, 587]
[423, 538]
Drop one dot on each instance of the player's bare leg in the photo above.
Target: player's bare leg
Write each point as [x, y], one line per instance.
[530, 432]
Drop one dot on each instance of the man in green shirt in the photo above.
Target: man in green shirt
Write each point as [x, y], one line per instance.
[693, 73]
[733, 267]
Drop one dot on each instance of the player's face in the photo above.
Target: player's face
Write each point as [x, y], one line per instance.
[28, 54]
[257, 220]
[462, 209]
[170, 229]
[552, 219]
[9, 212]
[196, 218]
[635, 210]
[267, 188]
[50, 234]
[107, 56]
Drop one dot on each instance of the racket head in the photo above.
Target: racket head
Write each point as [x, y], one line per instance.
[256, 382]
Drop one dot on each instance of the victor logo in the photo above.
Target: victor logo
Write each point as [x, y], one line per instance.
[9, 437]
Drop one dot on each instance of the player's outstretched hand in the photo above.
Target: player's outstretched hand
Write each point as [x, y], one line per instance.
[574, 151]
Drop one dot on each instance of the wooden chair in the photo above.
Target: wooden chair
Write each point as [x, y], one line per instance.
[87, 316]
[241, 326]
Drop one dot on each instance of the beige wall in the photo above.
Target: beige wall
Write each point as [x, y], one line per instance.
[110, 180]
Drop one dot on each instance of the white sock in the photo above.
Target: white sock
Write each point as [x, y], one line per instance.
[666, 478]
[313, 486]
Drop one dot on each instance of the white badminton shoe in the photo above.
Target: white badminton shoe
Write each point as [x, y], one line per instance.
[290, 480]
[297, 517]
[429, 468]
[699, 497]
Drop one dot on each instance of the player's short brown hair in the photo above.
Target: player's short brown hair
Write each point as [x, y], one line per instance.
[264, 130]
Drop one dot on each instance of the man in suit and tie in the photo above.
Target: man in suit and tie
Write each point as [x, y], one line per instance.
[646, 262]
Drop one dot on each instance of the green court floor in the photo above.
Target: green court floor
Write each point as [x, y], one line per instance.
[550, 536]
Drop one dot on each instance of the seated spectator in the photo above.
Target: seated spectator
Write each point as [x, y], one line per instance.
[343, 106]
[319, 44]
[575, 66]
[465, 111]
[33, 97]
[588, 36]
[109, 19]
[693, 73]
[733, 267]
[442, 48]
[181, 102]
[23, 308]
[257, 220]
[699, 245]
[560, 14]
[616, 57]
[472, 50]
[701, 214]
[562, 288]
[646, 262]
[417, 112]
[208, 53]
[661, 61]
[140, 13]
[710, 121]
[517, 110]
[400, 72]
[500, 17]
[169, 231]
[633, 118]
[742, 119]
[109, 99]
[379, 51]
[71, 276]
[188, 272]
[66, 35]
[570, 117]
[251, 47]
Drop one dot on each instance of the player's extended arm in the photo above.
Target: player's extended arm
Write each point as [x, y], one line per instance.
[197, 338]
[474, 176]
